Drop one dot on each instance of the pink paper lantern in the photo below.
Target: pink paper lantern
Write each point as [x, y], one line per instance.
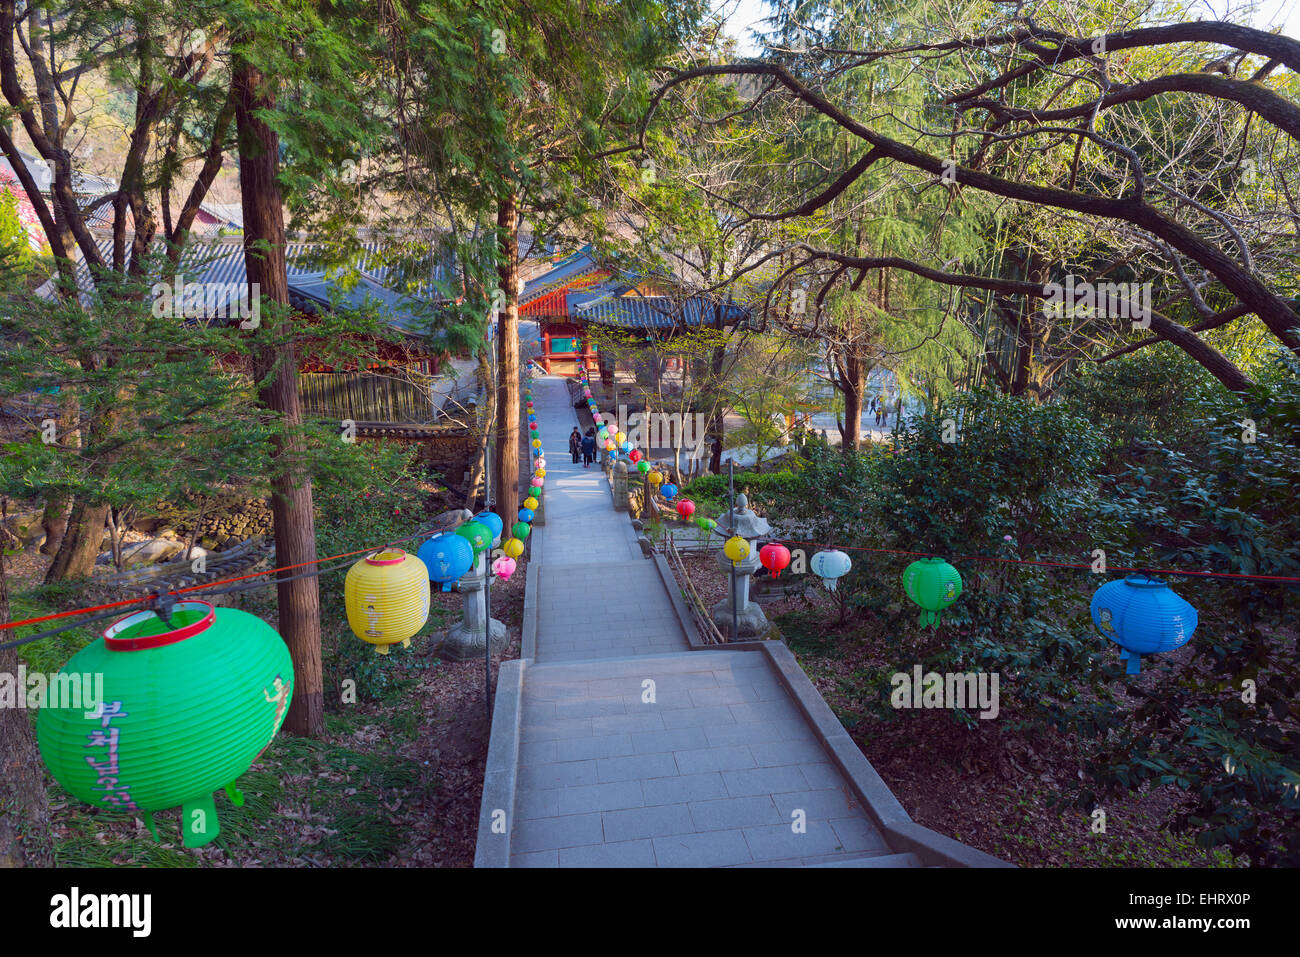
[541, 463]
[504, 567]
[539, 481]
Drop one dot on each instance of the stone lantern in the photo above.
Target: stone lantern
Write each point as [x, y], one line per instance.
[751, 622]
[466, 638]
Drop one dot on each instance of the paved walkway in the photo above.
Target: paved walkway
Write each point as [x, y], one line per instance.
[635, 751]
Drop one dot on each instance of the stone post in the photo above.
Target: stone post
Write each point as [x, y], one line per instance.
[620, 485]
[751, 621]
[466, 638]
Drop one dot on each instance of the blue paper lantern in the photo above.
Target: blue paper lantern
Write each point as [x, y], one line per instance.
[494, 524]
[627, 446]
[1143, 616]
[525, 515]
[668, 490]
[448, 556]
[830, 566]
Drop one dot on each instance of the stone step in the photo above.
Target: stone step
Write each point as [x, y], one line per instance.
[907, 859]
[879, 859]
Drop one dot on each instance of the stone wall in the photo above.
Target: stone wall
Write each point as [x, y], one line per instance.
[223, 525]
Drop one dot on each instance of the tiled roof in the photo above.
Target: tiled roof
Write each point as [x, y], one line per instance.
[581, 268]
[377, 277]
[612, 306]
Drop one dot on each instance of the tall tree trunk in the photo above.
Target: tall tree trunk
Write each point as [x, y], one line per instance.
[505, 487]
[55, 522]
[717, 415]
[275, 366]
[81, 542]
[24, 808]
[855, 386]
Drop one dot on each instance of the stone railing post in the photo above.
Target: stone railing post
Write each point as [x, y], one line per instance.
[620, 485]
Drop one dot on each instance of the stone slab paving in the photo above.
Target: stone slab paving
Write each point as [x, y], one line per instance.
[699, 759]
[633, 750]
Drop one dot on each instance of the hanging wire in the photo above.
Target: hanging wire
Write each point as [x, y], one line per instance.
[210, 588]
[1237, 576]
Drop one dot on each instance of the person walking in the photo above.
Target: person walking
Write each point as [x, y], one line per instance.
[589, 448]
[575, 444]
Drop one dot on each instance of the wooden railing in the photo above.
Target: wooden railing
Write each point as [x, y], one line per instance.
[708, 631]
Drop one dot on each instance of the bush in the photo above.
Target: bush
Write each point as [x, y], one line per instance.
[763, 488]
[1222, 728]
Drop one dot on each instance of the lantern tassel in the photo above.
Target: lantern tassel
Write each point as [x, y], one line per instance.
[153, 828]
[236, 796]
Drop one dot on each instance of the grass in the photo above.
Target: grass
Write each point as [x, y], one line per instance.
[806, 633]
[302, 798]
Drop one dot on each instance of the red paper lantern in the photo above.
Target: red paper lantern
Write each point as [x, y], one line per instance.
[774, 558]
[635, 455]
[686, 508]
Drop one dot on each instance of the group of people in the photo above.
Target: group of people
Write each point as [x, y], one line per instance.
[879, 407]
[583, 445]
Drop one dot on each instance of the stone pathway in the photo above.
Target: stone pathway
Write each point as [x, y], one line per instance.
[635, 751]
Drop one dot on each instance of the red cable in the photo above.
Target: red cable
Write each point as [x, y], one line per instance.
[181, 591]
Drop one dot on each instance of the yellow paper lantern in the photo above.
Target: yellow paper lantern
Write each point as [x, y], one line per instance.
[619, 438]
[531, 502]
[513, 547]
[737, 549]
[654, 478]
[537, 443]
[541, 472]
[387, 598]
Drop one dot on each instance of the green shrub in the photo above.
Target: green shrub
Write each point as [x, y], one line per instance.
[762, 488]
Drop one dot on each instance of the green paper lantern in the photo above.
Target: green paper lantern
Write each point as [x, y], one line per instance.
[705, 523]
[934, 585]
[477, 534]
[643, 466]
[521, 530]
[184, 709]
[534, 434]
[534, 491]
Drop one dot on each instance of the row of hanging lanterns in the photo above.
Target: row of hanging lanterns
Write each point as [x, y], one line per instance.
[1141, 615]
[192, 699]
[387, 593]
[520, 529]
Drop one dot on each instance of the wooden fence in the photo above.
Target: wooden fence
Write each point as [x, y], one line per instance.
[367, 396]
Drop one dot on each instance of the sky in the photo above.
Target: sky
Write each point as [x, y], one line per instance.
[741, 14]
